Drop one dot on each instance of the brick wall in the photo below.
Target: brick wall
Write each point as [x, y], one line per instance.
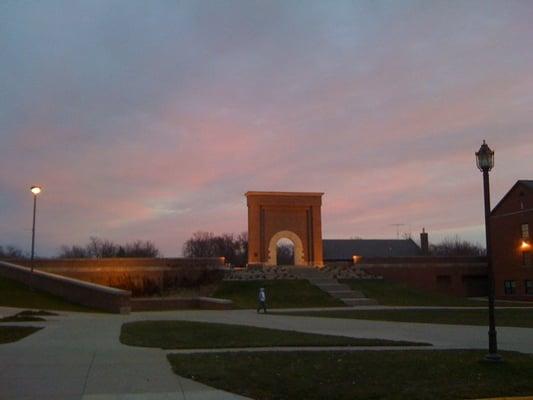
[458, 278]
[273, 212]
[506, 220]
[49, 264]
[428, 260]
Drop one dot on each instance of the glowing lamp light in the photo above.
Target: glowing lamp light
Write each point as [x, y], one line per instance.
[35, 190]
[356, 259]
[525, 245]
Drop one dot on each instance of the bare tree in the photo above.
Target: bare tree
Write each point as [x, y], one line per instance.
[103, 248]
[93, 247]
[12, 252]
[139, 248]
[107, 249]
[407, 235]
[201, 244]
[241, 256]
[73, 252]
[454, 246]
[207, 244]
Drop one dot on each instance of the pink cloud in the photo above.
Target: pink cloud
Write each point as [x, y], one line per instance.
[158, 132]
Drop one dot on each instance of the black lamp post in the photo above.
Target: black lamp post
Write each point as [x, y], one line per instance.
[35, 191]
[485, 162]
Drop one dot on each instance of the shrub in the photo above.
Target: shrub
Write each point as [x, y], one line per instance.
[159, 282]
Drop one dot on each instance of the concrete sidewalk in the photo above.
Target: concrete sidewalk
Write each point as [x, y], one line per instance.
[441, 336]
[380, 307]
[79, 355]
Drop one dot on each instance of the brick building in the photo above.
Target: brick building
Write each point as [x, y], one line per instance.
[347, 249]
[512, 228]
[403, 261]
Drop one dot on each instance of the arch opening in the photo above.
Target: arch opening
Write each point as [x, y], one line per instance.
[285, 237]
[285, 252]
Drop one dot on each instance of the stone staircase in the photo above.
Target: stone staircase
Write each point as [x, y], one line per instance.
[330, 285]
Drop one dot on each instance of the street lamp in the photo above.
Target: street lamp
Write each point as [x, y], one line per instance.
[485, 162]
[35, 191]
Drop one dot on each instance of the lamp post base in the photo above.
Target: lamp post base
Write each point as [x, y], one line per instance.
[493, 358]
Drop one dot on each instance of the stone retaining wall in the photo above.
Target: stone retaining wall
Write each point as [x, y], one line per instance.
[72, 290]
[260, 272]
[141, 276]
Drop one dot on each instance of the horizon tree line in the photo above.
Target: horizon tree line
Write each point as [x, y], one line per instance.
[104, 248]
[234, 247]
[95, 248]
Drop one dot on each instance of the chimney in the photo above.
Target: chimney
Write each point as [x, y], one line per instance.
[424, 242]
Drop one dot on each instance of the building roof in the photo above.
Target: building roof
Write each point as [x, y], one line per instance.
[528, 183]
[345, 249]
[259, 193]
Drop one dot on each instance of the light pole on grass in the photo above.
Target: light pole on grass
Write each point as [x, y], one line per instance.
[35, 191]
[485, 162]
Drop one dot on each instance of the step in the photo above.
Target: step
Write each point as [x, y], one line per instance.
[300, 270]
[359, 302]
[314, 278]
[318, 275]
[335, 289]
[323, 281]
[346, 294]
[333, 286]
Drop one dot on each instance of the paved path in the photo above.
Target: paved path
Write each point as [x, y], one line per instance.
[78, 356]
[440, 335]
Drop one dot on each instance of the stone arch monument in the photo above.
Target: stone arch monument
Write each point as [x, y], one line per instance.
[284, 215]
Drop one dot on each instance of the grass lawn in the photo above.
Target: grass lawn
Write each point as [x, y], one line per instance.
[396, 294]
[204, 335]
[519, 317]
[15, 294]
[280, 294]
[10, 334]
[359, 375]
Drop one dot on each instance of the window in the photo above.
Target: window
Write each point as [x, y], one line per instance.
[510, 287]
[529, 286]
[526, 258]
[525, 231]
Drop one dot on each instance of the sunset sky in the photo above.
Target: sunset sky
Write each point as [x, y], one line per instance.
[151, 119]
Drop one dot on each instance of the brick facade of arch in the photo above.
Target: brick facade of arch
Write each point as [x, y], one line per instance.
[272, 213]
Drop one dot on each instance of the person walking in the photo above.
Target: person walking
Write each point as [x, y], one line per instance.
[261, 301]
